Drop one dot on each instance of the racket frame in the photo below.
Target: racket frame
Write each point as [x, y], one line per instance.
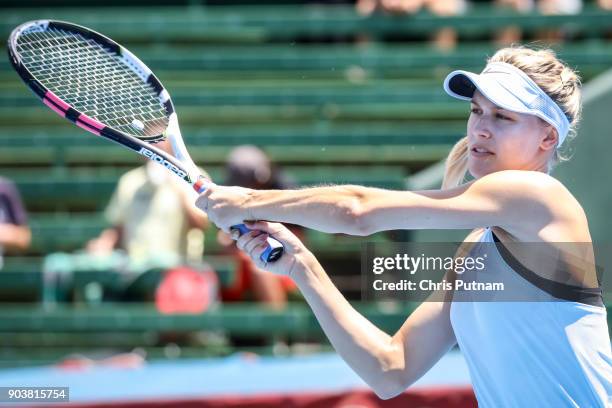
[182, 165]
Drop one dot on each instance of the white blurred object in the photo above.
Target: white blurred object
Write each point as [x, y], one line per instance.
[560, 6]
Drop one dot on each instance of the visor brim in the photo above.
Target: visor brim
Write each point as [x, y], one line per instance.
[463, 84]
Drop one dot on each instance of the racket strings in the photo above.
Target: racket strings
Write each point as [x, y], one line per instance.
[93, 80]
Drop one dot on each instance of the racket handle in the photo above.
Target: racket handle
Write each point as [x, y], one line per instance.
[274, 250]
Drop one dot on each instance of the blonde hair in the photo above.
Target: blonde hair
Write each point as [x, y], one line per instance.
[553, 76]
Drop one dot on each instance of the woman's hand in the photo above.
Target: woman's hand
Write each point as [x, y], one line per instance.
[254, 244]
[225, 206]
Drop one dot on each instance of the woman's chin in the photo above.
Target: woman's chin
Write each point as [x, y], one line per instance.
[481, 171]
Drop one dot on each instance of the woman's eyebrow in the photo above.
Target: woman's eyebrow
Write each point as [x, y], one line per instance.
[495, 107]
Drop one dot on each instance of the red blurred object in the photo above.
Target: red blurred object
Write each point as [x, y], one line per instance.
[243, 281]
[186, 290]
[435, 397]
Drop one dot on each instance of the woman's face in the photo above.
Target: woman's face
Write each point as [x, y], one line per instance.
[499, 139]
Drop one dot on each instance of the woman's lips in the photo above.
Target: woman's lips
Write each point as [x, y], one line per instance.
[480, 152]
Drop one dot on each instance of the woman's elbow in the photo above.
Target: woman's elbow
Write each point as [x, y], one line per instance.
[388, 389]
[394, 375]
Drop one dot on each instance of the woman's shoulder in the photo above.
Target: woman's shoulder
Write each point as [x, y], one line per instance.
[524, 178]
[566, 219]
[538, 186]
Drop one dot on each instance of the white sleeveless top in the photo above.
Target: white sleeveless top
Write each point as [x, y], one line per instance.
[534, 354]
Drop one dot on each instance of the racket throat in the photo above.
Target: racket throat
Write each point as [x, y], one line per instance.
[151, 155]
[173, 135]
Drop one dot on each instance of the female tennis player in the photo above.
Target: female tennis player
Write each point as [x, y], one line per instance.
[524, 104]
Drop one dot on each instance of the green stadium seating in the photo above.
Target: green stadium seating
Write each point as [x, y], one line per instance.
[34, 335]
[355, 69]
[239, 319]
[265, 23]
[63, 137]
[90, 188]
[23, 279]
[71, 231]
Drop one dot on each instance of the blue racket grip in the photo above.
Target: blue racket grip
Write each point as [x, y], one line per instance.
[274, 250]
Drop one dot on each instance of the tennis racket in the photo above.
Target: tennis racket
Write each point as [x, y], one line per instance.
[105, 89]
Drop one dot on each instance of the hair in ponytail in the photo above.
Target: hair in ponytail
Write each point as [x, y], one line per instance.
[456, 166]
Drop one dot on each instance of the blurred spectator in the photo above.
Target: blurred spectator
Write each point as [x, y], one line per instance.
[445, 38]
[153, 218]
[367, 7]
[248, 166]
[14, 230]
[605, 4]
[510, 35]
[155, 222]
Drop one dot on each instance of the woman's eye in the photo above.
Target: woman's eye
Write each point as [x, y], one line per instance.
[477, 111]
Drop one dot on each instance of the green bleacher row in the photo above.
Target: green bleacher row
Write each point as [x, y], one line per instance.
[310, 75]
[264, 23]
[60, 144]
[35, 335]
[249, 319]
[296, 154]
[71, 231]
[95, 186]
[275, 95]
[24, 278]
[58, 134]
[264, 114]
[239, 319]
[170, 63]
[89, 188]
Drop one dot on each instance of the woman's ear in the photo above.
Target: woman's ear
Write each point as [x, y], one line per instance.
[551, 137]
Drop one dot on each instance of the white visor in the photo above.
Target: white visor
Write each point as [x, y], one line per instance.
[509, 88]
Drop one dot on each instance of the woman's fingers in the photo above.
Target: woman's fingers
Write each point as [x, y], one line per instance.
[290, 242]
[259, 242]
[245, 239]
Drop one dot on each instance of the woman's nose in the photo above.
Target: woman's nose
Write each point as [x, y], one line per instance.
[482, 128]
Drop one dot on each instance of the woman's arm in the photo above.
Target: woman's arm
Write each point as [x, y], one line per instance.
[507, 199]
[388, 364]
[328, 209]
[514, 200]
